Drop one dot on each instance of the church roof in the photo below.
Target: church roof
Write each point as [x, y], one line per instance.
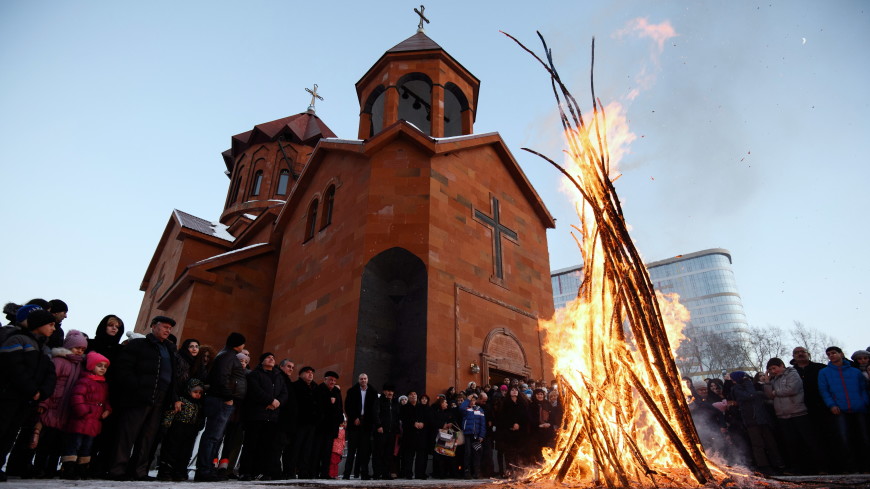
[304, 128]
[200, 225]
[417, 42]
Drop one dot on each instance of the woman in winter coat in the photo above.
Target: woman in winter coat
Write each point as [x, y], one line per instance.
[185, 358]
[266, 392]
[106, 342]
[512, 426]
[54, 411]
[444, 417]
[540, 425]
[89, 406]
[107, 339]
[758, 423]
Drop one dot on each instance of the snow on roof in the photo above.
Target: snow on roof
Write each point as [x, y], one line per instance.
[213, 258]
[199, 224]
[343, 141]
[251, 217]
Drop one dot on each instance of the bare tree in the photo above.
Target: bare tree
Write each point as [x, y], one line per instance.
[762, 344]
[812, 339]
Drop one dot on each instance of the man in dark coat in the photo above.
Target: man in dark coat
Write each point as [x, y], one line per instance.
[266, 396]
[287, 418]
[227, 386]
[331, 415]
[28, 375]
[302, 463]
[144, 380]
[361, 406]
[386, 433]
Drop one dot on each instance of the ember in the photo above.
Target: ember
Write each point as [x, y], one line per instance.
[626, 421]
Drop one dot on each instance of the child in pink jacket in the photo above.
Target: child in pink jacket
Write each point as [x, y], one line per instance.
[89, 406]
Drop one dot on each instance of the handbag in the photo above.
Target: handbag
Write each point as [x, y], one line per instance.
[460, 436]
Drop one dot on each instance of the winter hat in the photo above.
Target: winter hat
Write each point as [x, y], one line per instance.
[306, 369]
[39, 318]
[235, 340]
[266, 355]
[24, 311]
[860, 353]
[75, 339]
[503, 388]
[134, 335]
[57, 305]
[738, 376]
[93, 359]
[242, 356]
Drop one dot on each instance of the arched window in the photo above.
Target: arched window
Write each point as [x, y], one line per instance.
[283, 180]
[328, 201]
[455, 103]
[415, 101]
[258, 182]
[375, 107]
[236, 188]
[311, 223]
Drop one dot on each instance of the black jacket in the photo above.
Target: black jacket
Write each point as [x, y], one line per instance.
[331, 414]
[264, 386]
[27, 367]
[226, 378]
[137, 372]
[306, 403]
[388, 415]
[353, 407]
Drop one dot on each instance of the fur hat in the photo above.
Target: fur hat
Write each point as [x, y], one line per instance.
[24, 311]
[243, 356]
[134, 335]
[235, 340]
[39, 318]
[93, 359]
[75, 339]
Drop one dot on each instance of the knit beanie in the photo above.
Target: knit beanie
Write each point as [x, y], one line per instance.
[93, 358]
[57, 305]
[266, 355]
[860, 353]
[242, 356]
[38, 319]
[24, 311]
[235, 340]
[75, 339]
[738, 376]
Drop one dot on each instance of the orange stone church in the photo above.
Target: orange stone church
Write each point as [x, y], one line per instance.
[416, 253]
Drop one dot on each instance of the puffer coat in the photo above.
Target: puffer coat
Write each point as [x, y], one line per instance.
[787, 392]
[90, 398]
[67, 370]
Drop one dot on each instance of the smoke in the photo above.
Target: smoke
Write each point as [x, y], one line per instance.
[640, 28]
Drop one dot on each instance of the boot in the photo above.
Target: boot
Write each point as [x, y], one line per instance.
[83, 470]
[68, 471]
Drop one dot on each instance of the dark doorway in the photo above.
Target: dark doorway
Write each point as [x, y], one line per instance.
[391, 327]
[496, 377]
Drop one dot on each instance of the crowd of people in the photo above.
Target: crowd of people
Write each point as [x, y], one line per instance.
[77, 407]
[802, 418]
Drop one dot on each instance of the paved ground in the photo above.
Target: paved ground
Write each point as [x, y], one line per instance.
[861, 481]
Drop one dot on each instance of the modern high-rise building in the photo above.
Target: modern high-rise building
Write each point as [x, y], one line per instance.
[706, 285]
[566, 284]
[704, 281]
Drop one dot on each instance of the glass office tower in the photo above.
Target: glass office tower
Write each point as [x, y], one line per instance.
[705, 283]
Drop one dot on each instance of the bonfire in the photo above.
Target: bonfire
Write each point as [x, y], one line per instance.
[627, 422]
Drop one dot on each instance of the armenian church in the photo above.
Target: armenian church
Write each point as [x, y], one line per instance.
[415, 252]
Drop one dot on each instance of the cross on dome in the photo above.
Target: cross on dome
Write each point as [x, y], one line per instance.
[314, 95]
[422, 18]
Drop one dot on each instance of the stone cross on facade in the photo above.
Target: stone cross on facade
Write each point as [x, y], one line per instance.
[314, 95]
[422, 18]
[499, 230]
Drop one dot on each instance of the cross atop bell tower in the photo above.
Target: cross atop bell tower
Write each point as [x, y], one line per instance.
[422, 18]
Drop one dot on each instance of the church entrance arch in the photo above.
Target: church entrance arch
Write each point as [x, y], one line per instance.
[503, 356]
[391, 325]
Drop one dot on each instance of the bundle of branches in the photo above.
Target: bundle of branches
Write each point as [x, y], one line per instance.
[626, 421]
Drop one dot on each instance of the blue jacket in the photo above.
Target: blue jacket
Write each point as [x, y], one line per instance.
[473, 420]
[844, 387]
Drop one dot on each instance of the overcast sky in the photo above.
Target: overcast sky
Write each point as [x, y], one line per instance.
[747, 123]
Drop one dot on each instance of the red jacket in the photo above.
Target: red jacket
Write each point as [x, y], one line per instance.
[89, 399]
[67, 369]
